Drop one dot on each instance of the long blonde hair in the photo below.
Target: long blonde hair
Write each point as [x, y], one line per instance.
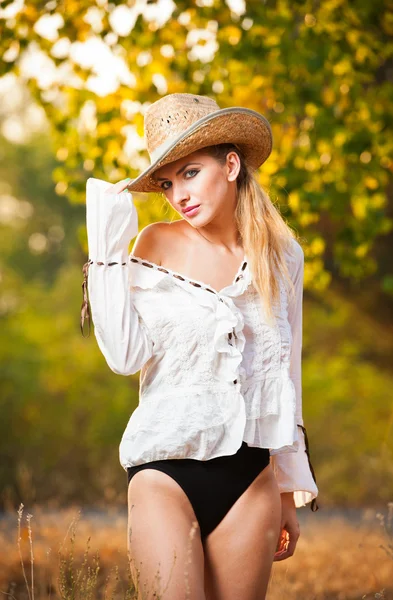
[264, 233]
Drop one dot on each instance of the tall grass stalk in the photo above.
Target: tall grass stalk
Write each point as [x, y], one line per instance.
[79, 583]
[387, 526]
[28, 519]
[20, 513]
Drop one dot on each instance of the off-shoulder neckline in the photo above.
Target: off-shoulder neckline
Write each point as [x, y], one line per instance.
[180, 276]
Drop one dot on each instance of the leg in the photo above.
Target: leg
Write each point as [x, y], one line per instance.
[164, 544]
[239, 552]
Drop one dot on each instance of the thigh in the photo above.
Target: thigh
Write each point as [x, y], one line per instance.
[239, 552]
[164, 544]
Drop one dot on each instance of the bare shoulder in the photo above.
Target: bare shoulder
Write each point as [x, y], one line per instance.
[152, 241]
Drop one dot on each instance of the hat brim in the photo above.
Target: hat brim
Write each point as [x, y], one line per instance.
[245, 127]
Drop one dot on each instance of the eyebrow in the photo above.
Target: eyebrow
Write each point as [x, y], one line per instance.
[179, 171]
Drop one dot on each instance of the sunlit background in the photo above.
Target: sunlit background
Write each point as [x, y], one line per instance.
[76, 79]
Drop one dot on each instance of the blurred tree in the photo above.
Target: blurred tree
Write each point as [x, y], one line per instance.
[320, 72]
[62, 412]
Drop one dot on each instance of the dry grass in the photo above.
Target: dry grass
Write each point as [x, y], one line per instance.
[340, 561]
[48, 557]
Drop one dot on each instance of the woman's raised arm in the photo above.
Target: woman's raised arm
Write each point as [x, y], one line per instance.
[112, 222]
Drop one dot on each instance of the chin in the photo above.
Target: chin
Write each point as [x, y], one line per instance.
[197, 222]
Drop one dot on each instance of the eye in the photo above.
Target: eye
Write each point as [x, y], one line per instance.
[192, 171]
[196, 171]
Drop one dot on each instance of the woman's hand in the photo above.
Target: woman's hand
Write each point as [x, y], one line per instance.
[118, 187]
[289, 528]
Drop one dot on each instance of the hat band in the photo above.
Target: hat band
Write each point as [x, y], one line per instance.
[160, 150]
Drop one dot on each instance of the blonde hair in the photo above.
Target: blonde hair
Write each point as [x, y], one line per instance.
[265, 235]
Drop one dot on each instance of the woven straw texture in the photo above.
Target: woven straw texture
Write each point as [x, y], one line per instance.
[179, 124]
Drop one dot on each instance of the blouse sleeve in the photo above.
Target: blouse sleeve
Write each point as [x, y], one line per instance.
[293, 470]
[112, 222]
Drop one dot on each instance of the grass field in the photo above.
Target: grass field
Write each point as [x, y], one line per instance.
[69, 555]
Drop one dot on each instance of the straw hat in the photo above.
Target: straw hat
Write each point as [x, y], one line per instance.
[178, 124]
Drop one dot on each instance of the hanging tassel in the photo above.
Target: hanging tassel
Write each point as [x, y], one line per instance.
[85, 309]
[314, 506]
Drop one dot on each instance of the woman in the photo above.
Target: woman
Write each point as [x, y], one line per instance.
[209, 309]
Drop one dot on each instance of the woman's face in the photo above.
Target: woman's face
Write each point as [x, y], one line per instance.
[200, 180]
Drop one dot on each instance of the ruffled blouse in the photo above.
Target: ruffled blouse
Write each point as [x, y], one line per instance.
[213, 372]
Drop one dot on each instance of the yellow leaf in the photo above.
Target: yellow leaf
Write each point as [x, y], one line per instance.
[323, 147]
[371, 182]
[258, 81]
[281, 180]
[342, 67]
[271, 40]
[364, 113]
[299, 162]
[294, 201]
[311, 109]
[317, 245]
[340, 138]
[362, 250]
[361, 53]
[232, 34]
[359, 207]
[352, 36]
[378, 200]
[328, 96]
[387, 22]
[306, 219]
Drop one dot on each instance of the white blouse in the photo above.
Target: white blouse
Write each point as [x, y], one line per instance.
[213, 373]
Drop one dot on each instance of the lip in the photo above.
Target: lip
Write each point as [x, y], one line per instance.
[190, 209]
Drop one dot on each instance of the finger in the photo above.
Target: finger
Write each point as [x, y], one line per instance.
[289, 549]
[118, 187]
[293, 538]
[282, 552]
[282, 541]
[280, 556]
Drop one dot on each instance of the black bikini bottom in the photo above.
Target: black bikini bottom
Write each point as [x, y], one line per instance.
[212, 486]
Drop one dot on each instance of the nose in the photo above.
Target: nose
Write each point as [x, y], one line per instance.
[180, 194]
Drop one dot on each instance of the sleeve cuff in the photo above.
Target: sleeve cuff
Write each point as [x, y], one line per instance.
[294, 473]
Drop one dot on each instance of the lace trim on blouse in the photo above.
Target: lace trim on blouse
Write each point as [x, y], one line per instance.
[194, 282]
[85, 308]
